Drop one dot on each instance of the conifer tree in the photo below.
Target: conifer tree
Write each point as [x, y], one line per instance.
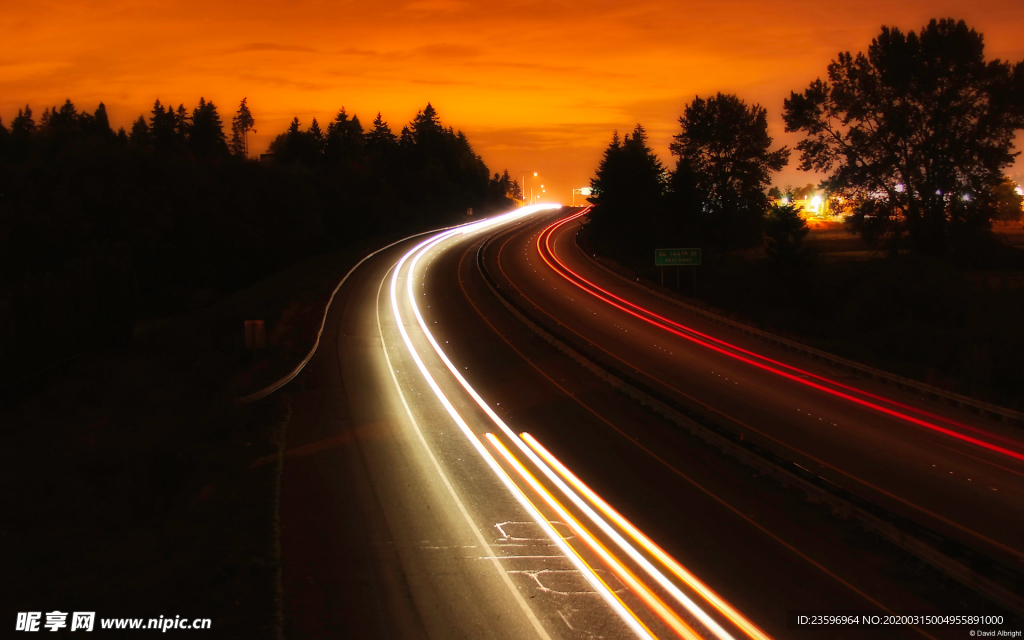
[380, 136]
[101, 123]
[235, 145]
[161, 127]
[68, 113]
[628, 191]
[206, 134]
[426, 123]
[182, 123]
[241, 124]
[511, 187]
[317, 135]
[139, 137]
[344, 138]
[23, 123]
[406, 139]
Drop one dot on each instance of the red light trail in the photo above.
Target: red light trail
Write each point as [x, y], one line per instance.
[549, 256]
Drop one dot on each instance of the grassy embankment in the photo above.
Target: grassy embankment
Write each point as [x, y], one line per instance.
[137, 487]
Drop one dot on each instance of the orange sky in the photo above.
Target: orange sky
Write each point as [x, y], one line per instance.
[536, 86]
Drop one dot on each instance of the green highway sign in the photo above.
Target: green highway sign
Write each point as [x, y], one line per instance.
[676, 257]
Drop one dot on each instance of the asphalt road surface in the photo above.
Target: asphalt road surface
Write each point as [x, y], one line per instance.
[412, 506]
[971, 493]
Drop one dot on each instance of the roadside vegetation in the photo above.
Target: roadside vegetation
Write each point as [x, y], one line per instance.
[913, 137]
[102, 233]
[135, 486]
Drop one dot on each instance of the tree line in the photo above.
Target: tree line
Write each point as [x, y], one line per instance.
[99, 229]
[913, 136]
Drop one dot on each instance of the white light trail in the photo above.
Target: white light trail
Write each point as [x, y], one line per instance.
[599, 586]
[630, 550]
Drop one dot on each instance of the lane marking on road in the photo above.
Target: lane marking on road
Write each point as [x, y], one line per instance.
[818, 461]
[595, 581]
[679, 473]
[530, 615]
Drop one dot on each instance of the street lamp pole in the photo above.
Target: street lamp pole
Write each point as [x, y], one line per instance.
[525, 175]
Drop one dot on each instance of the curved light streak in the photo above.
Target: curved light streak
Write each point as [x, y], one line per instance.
[649, 545]
[656, 604]
[585, 570]
[622, 543]
[663, 323]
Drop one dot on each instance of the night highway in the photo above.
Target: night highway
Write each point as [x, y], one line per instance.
[498, 480]
[299, 341]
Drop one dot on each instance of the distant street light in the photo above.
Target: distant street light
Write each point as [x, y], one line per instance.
[525, 174]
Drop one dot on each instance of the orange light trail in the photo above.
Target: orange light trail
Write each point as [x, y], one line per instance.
[412, 257]
[633, 553]
[734, 616]
[543, 242]
[657, 605]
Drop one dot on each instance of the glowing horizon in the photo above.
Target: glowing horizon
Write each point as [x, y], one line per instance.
[534, 87]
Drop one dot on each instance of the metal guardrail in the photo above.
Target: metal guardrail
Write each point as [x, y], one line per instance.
[962, 563]
[274, 386]
[1002, 414]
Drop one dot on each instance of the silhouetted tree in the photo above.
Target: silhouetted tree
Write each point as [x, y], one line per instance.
[344, 139]
[406, 139]
[724, 165]
[241, 124]
[627, 193]
[101, 123]
[380, 136]
[21, 129]
[182, 122]
[510, 188]
[162, 130]
[910, 129]
[297, 147]
[317, 135]
[516, 190]
[139, 137]
[501, 186]
[206, 133]
[784, 233]
[62, 120]
[426, 126]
